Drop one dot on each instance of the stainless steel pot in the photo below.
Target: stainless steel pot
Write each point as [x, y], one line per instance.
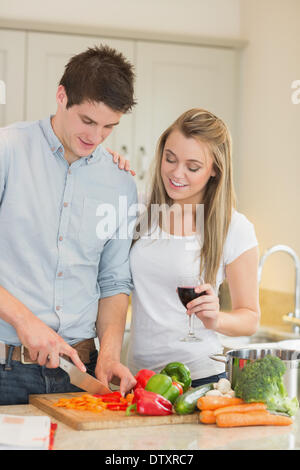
[236, 359]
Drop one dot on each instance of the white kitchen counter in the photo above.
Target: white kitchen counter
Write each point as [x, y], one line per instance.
[171, 437]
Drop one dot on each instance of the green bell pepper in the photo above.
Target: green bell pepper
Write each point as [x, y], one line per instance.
[163, 385]
[179, 373]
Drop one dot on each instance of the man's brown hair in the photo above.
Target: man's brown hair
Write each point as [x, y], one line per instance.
[100, 74]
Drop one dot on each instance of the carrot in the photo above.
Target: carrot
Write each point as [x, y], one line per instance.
[210, 402]
[252, 418]
[243, 408]
[207, 417]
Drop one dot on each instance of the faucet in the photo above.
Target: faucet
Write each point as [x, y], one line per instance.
[294, 318]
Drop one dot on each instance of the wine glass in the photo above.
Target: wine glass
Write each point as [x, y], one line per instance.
[186, 292]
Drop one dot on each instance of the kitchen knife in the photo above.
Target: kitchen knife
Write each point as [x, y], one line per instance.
[82, 379]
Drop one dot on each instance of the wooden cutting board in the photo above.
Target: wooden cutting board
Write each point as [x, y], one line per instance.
[107, 419]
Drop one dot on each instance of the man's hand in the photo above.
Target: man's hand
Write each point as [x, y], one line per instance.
[44, 344]
[110, 327]
[107, 371]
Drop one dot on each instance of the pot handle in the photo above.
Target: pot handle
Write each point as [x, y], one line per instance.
[215, 357]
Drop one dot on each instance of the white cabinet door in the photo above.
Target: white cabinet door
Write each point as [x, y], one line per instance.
[12, 72]
[174, 78]
[47, 56]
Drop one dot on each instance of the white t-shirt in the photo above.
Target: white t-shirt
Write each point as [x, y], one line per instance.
[159, 319]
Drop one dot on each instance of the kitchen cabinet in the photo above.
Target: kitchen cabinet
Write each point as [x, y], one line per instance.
[12, 73]
[172, 78]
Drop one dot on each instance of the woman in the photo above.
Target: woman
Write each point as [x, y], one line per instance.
[192, 167]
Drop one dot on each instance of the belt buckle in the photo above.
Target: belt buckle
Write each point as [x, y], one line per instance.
[23, 356]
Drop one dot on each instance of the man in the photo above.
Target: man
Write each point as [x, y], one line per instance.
[60, 284]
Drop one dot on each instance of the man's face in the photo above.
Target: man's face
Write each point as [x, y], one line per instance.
[81, 128]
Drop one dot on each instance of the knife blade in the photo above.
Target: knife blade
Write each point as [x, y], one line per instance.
[82, 379]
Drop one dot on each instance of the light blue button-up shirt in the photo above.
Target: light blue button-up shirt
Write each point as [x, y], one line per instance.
[53, 257]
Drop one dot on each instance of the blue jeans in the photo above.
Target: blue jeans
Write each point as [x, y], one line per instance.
[27, 379]
[208, 380]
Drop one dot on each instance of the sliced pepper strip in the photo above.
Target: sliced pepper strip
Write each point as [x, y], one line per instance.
[117, 407]
[84, 402]
[112, 401]
[115, 395]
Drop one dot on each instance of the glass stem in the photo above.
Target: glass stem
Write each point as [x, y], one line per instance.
[191, 325]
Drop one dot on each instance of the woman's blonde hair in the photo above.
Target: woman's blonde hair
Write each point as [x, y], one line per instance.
[219, 197]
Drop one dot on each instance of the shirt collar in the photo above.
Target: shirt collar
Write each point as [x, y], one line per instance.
[56, 145]
[52, 139]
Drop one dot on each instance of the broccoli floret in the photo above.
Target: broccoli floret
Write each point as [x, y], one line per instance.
[262, 381]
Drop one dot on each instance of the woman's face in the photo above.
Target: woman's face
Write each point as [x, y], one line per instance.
[186, 168]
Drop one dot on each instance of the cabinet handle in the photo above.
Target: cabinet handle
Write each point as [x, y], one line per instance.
[124, 152]
[143, 162]
[124, 149]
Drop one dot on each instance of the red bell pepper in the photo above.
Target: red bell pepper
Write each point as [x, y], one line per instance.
[149, 403]
[142, 378]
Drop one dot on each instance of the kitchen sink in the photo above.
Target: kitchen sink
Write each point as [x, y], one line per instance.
[272, 334]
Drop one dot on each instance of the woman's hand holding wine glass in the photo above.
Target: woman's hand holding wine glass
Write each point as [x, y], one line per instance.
[206, 307]
[186, 290]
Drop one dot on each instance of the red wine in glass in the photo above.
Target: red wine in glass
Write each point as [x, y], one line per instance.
[186, 292]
